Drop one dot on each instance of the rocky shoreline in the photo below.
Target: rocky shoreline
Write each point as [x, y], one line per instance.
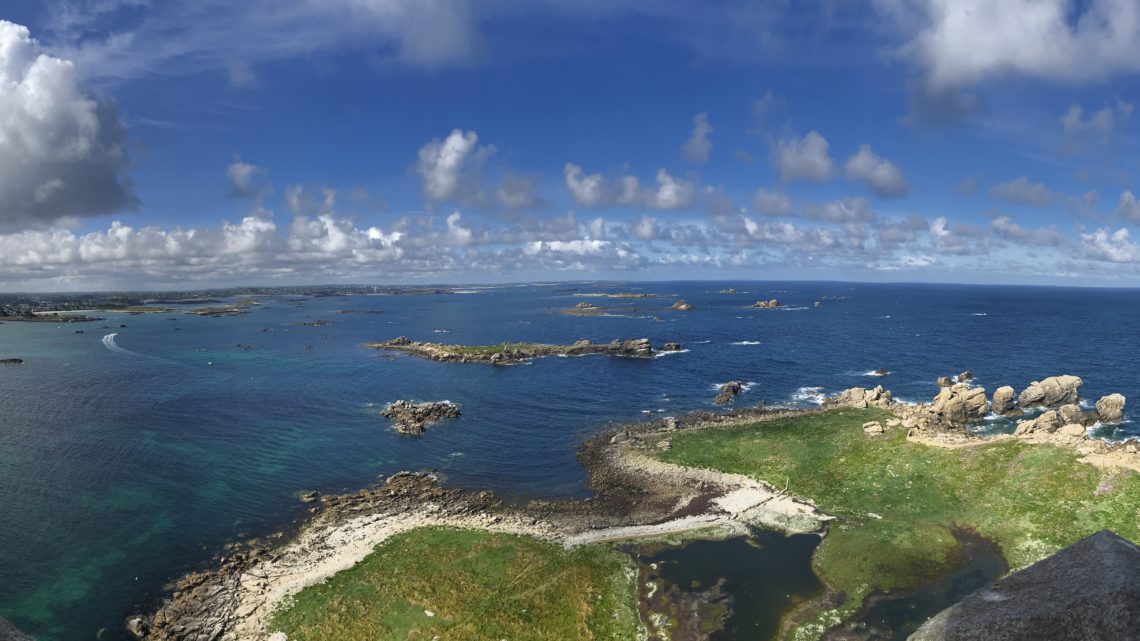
[513, 353]
[635, 496]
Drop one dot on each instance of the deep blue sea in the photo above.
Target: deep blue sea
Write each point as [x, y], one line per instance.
[128, 460]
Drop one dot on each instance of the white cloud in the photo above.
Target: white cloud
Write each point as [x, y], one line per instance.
[881, 176]
[451, 169]
[956, 239]
[771, 203]
[958, 43]
[596, 190]
[516, 192]
[845, 210]
[241, 175]
[1004, 227]
[1128, 208]
[1114, 247]
[62, 151]
[1021, 191]
[698, 146]
[804, 159]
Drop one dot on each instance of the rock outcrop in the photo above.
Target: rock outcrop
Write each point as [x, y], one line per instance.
[959, 404]
[1051, 392]
[860, 398]
[682, 306]
[1047, 422]
[671, 347]
[1110, 409]
[873, 428]
[1003, 402]
[728, 391]
[944, 381]
[1089, 591]
[414, 418]
[511, 353]
[767, 304]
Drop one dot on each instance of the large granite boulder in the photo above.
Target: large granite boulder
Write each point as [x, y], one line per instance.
[1045, 422]
[1110, 409]
[1090, 591]
[959, 404]
[1070, 414]
[1051, 392]
[767, 304]
[860, 398]
[682, 306]
[1003, 400]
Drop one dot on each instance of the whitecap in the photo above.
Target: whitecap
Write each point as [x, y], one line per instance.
[809, 395]
[676, 351]
[876, 373]
[746, 343]
[979, 314]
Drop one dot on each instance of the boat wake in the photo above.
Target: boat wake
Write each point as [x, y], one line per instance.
[109, 343]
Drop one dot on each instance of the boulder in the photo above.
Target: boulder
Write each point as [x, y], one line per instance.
[965, 376]
[819, 303]
[860, 398]
[671, 347]
[682, 306]
[728, 391]
[138, 627]
[1003, 400]
[584, 305]
[879, 372]
[1072, 429]
[767, 304]
[873, 427]
[1047, 422]
[632, 347]
[1070, 414]
[959, 404]
[1051, 392]
[945, 381]
[1110, 409]
[1089, 591]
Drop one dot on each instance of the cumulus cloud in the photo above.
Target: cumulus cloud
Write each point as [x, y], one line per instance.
[1022, 191]
[452, 168]
[62, 151]
[881, 176]
[596, 190]
[241, 175]
[698, 146]
[518, 192]
[1114, 247]
[845, 210]
[1128, 207]
[804, 158]
[1004, 227]
[771, 203]
[956, 239]
[958, 43]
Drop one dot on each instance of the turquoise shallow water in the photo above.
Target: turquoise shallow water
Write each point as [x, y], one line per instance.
[126, 462]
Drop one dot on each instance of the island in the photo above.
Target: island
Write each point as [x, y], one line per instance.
[902, 496]
[513, 353]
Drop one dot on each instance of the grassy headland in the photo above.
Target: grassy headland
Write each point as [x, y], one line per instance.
[475, 585]
[899, 503]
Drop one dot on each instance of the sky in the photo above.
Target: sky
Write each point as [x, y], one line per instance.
[151, 144]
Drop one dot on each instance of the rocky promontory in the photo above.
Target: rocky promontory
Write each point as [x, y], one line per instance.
[511, 353]
[414, 418]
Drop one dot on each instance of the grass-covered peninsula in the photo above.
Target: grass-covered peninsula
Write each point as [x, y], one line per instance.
[898, 503]
[450, 583]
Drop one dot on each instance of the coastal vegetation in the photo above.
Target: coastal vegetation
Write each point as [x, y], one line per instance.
[464, 584]
[900, 505]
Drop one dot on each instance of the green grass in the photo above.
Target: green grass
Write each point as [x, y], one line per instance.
[898, 502]
[478, 585]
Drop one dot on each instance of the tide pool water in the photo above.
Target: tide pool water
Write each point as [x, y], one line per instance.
[129, 455]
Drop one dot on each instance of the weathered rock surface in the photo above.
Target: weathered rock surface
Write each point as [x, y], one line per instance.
[945, 381]
[728, 391]
[1047, 422]
[860, 398]
[873, 427]
[1110, 409]
[1090, 591]
[511, 353]
[671, 347]
[682, 306]
[767, 304]
[1072, 429]
[9, 632]
[1003, 402]
[964, 376]
[959, 404]
[414, 418]
[1051, 392]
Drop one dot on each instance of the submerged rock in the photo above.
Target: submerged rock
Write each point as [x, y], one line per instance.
[9, 632]
[1051, 392]
[412, 418]
[671, 347]
[767, 304]
[11, 361]
[682, 306]
[1089, 591]
[1003, 400]
[1110, 409]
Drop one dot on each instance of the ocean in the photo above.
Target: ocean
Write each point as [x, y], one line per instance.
[130, 455]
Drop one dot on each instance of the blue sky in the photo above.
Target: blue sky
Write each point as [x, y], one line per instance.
[148, 144]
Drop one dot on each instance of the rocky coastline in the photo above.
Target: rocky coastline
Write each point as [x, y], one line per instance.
[634, 496]
[513, 353]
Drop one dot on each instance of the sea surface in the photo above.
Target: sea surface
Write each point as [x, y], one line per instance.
[129, 455]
